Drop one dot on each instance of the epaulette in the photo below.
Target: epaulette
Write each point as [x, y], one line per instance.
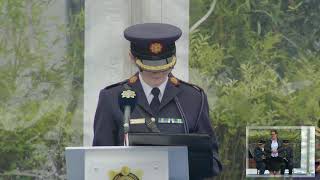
[192, 85]
[116, 84]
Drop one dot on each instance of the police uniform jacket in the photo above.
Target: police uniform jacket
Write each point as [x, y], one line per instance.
[193, 108]
[258, 154]
[287, 153]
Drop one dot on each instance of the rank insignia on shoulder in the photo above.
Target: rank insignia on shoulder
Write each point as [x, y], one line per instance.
[133, 79]
[174, 80]
[170, 121]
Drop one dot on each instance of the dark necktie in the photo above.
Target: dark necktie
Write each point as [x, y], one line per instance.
[155, 103]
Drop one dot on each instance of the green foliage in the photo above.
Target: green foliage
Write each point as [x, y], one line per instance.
[293, 135]
[40, 92]
[260, 67]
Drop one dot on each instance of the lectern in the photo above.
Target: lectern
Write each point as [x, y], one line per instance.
[133, 162]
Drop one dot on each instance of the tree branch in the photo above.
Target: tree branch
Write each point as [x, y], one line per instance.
[38, 174]
[198, 23]
[18, 173]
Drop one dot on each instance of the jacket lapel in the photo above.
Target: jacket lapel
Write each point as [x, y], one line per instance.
[142, 100]
[170, 92]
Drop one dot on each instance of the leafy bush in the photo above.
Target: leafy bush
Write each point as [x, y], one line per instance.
[40, 92]
[259, 62]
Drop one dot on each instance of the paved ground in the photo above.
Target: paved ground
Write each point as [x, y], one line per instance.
[296, 173]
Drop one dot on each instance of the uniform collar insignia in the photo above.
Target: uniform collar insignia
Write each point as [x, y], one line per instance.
[174, 80]
[133, 79]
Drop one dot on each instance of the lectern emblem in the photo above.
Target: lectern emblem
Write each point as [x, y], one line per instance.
[125, 174]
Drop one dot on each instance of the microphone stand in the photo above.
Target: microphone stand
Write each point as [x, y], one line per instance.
[127, 101]
[127, 111]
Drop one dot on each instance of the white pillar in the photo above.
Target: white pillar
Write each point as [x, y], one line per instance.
[308, 150]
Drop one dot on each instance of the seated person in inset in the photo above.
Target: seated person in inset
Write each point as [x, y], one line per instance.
[287, 155]
[260, 157]
[273, 148]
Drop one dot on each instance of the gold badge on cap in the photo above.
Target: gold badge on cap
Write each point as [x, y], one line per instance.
[128, 94]
[156, 48]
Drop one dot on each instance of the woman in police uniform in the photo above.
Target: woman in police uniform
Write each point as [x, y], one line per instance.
[173, 105]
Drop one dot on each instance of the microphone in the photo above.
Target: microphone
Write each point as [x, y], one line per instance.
[127, 101]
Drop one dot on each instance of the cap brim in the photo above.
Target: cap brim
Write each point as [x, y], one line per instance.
[157, 68]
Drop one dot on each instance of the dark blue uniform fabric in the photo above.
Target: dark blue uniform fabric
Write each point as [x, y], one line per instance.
[287, 155]
[108, 118]
[149, 32]
[142, 36]
[259, 157]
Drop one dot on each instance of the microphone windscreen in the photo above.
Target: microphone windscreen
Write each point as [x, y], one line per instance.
[127, 98]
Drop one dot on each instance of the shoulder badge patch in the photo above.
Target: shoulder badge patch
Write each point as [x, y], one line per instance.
[133, 79]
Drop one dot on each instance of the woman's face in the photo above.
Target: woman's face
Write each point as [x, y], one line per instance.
[155, 79]
[273, 135]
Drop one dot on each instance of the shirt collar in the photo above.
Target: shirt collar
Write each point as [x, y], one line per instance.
[147, 88]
